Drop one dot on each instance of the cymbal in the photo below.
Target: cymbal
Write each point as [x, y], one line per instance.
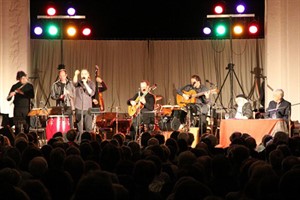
[158, 97]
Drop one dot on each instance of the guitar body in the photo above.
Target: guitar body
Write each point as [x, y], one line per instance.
[132, 110]
[182, 102]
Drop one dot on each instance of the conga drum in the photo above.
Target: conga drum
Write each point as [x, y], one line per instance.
[57, 123]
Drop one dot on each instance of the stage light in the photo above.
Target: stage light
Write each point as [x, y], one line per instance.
[220, 29]
[206, 30]
[71, 11]
[240, 8]
[52, 30]
[219, 9]
[86, 31]
[253, 28]
[238, 29]
[71, 31]
[38, 30]
[51, 11]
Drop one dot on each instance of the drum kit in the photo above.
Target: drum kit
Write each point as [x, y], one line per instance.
[169, 117]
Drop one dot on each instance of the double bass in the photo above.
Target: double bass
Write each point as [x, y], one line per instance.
[100, 96]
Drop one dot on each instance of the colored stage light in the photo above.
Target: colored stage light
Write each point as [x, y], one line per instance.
[253, 28]
[240, 8]
[238, 29]
[53, 30]
[206, 30]
[71, 31]
[51, 11]
[38, 30]
[219, 9]
[86, 31]
[71, 11]
[221, 29]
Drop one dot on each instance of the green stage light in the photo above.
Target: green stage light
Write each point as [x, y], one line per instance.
[220, 29]
[52, 30]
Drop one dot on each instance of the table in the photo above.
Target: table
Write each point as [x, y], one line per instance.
[257, 128]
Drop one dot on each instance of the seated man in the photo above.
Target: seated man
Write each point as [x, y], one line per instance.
[243, 109]
[279, 107]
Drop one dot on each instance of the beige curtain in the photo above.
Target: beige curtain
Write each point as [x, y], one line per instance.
[14, 46]
[283, 50]
[169, 64]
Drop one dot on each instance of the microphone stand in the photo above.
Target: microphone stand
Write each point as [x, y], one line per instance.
[81, 119]
[117, 119]
[138, 117]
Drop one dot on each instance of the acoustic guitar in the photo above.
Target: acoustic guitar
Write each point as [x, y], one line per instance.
[134, 110]
[182, 102]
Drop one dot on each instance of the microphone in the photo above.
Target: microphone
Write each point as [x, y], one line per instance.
[194, 83]
[207, 81]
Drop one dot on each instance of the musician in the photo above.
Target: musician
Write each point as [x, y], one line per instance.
[84, 91]
[22, 92]
[199, 109]
[99, 88]
[279, 107]
[63, 92]
[144, 101]
[243, 108]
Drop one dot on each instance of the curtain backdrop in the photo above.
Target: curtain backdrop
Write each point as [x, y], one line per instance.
[283, 50]
[14, 46]
[169, 64]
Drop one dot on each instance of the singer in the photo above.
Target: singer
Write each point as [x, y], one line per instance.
[84, 91]
[21, 93]
[141, 105]
[195, 97]
[279, 107]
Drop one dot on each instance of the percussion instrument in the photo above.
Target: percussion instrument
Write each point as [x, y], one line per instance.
[57, 123]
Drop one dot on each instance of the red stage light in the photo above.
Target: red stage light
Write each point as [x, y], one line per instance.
[86, 31]
[253, 29]
[219, 9]
[51, 11]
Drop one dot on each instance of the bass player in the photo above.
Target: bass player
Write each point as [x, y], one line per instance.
[195, 97]
[141, 107]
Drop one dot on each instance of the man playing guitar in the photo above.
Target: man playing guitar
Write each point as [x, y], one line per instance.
[196, 97]
[142, 103]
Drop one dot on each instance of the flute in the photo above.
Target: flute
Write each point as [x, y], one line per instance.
[16, 91]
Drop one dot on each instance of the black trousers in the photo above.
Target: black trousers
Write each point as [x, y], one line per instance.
[142, 122]
[21, 119]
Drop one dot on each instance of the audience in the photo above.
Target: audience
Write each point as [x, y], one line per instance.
[151, 168]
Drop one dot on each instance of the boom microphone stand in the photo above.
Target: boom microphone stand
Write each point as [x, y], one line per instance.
[138, 118]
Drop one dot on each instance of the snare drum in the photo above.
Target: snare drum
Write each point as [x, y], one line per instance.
[57, 123]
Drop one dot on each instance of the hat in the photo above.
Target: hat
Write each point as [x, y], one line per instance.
[241, 96]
